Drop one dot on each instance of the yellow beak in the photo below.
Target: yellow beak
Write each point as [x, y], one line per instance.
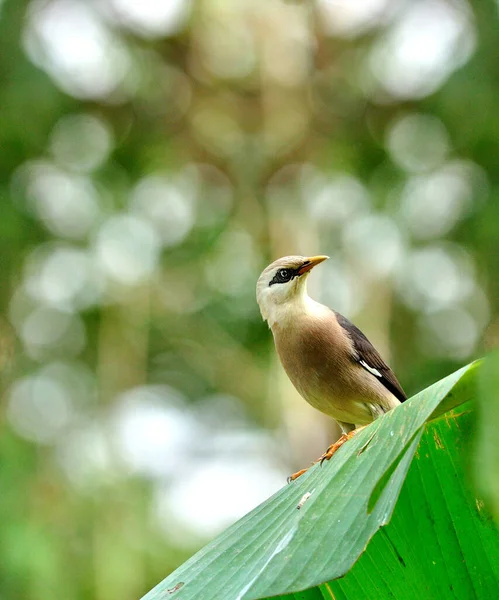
[311, 262]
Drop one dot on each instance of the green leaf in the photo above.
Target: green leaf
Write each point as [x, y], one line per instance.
[487, 442]
[440, 542]
[279, 549]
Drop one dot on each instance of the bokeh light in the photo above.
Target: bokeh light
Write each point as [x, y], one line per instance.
[40, 407]
[167, 205]
[127, 249]
[150, 18]
[427, 42]
[81, 142]
[418, 142]
[69, 40]
[67, 203]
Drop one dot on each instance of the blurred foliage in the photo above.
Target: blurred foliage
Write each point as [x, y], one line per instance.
[155, 157]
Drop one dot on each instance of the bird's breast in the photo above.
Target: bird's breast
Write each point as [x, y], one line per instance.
[319, 361]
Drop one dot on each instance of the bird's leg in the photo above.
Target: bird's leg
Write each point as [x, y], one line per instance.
[338, 444]
[329, 452]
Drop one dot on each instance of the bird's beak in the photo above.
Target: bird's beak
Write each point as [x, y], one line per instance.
[310, 263]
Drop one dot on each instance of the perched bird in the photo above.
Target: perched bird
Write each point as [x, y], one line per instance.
[330, 362]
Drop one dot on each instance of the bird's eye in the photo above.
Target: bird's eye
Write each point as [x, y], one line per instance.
[282, 276]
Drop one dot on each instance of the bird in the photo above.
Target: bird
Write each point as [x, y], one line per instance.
[330, 362]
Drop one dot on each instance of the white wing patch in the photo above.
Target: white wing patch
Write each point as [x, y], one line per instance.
[371, 370]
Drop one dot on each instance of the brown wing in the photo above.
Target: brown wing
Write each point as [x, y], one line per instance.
[370, 359]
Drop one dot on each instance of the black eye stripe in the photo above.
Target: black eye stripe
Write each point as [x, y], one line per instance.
[284, 275]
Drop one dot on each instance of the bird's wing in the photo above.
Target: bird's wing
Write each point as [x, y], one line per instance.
[369, 358]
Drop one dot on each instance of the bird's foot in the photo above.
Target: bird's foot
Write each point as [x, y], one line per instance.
[296, 475]
[333, 448]
[329, 452]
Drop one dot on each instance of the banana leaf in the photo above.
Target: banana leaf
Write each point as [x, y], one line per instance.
[392, 515]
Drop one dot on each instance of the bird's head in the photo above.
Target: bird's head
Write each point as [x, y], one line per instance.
[283, 282]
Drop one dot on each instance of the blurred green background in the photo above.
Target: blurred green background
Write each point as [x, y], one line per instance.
[155, 157]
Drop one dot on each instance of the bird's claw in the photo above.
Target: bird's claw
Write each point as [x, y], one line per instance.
[323, 458]
[333, 448]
